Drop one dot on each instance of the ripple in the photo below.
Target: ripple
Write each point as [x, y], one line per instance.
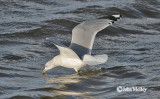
[132, 44]
[90, 72]
[5, 75]
[13, 75]
[12, 57]
[21, 97]
[10, 68]
[142, 49]
[155, 79]
[120, 72]
[155, 88]
[9, 42]
[147, 10]
[46, 89]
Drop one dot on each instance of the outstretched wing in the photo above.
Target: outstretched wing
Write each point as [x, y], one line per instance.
[83, 35]
[64, 50]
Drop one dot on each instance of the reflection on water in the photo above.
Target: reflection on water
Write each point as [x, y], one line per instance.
[63, 82]
[131, 43]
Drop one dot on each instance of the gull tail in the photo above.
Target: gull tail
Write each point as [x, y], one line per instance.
[95, 60]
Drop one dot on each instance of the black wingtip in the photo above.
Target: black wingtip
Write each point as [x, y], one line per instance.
[114, 17]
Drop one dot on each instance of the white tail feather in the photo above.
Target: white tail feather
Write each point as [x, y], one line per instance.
[95, 60]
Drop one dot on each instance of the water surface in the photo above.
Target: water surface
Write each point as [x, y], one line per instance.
[132, 44]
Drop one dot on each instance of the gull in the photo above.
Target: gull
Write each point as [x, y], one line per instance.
[78, 54]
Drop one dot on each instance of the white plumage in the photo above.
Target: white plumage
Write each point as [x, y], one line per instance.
[78, 54]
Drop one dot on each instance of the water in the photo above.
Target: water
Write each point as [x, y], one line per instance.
[132, 44]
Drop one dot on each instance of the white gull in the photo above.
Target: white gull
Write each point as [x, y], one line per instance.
[78, 54]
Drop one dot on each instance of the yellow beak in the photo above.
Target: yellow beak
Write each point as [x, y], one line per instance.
[43, 71]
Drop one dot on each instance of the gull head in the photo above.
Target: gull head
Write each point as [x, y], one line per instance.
[49, 65]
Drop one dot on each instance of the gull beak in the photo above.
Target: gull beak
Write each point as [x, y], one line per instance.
[44, 71]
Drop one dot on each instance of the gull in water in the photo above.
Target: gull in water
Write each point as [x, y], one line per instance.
[78, 54]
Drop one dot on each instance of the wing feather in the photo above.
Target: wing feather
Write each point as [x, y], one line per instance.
[83, 35]
[64, 50]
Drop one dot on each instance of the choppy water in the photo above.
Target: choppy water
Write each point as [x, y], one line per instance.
[132, 44]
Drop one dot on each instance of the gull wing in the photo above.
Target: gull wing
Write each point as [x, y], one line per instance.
[83, 35]
[64, 50]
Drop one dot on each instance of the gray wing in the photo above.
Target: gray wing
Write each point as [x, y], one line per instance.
[83, 35]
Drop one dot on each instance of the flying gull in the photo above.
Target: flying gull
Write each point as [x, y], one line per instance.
[78, 54]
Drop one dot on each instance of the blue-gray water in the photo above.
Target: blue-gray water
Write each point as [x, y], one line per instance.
[132, 44]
